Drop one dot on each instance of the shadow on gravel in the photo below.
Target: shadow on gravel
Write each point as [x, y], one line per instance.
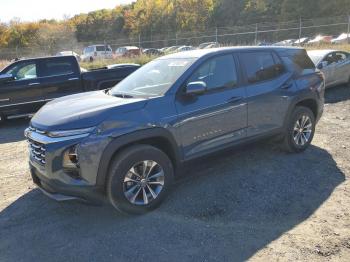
[337, 94]
[226, 208]
[13, 130]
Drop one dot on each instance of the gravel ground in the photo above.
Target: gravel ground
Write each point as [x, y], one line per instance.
[254, 203]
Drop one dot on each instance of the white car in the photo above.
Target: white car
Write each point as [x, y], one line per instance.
[334, 64]
[184, 48]
[342, 39]
[68, 53]
[97, 52]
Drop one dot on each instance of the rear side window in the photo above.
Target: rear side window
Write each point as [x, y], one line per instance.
[298, 60]
[57, 67]
[101, 48]
[260, 66]
[218, 72]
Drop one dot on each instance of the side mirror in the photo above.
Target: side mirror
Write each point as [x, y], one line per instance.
[196, 88]
[322, 65]
[6, 78]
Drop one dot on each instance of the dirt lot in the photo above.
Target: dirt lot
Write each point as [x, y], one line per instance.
[254, 203]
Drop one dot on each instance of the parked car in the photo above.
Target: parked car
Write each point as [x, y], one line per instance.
[302, 41]
[335, 65]
[127, 51]
[320, 39]
[204, 45]
[96, 52]
[126, 144]
[288, 42]
[69, 53]
[153, 51]
[342, 39]
[184, 48]
[171, 49]
[215, 45]
[27, 85]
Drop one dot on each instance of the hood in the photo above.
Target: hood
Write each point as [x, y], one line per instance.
[82, 110]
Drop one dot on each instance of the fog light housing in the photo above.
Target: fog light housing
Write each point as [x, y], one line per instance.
[70, 158]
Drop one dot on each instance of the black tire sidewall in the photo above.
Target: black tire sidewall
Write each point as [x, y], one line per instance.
[296, 115]
[122, 164]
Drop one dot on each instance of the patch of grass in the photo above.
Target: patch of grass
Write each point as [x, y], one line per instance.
[342, 47]
[142, 59]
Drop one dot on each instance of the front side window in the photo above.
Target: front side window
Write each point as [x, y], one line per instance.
[260, 66]
[218, 72]
[23, 71]
[57, 68]
[154, 78]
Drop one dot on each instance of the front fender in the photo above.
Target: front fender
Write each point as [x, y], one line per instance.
[117, 143]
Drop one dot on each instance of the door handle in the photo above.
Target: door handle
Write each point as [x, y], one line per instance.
[34, 84]
[235, 99]
[73, 78]
[5, 100]
[286, 86]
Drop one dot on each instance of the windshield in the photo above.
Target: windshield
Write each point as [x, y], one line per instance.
[154, 78]
[315, 57]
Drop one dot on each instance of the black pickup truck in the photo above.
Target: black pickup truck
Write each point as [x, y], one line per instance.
[28, 84]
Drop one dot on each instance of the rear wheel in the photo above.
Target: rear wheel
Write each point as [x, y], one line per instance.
[300, 130]
[139, 179]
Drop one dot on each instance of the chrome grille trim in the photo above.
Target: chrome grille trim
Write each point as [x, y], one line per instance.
[37, 151]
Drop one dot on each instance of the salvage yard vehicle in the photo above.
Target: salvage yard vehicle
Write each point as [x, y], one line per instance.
[335, 65]
[127, 51]
[96, 52]
[127, 144]
[27, 85]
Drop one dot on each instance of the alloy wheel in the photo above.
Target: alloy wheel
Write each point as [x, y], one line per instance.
[302, 130]
[143, 182]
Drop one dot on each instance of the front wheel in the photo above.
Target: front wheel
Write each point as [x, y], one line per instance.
[139, 179]
[300, 130]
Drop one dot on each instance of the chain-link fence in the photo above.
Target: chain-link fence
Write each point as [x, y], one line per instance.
[253, 34]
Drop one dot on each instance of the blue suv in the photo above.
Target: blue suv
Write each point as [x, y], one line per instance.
[126, 144]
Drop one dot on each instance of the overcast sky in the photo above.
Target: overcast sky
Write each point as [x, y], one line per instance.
[32, 10]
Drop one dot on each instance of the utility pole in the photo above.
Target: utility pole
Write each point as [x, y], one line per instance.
[140, 41]
[300, 28]
[256, 34]
[348, 29]
[216, 34]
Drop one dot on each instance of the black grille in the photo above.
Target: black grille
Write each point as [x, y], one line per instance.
[37, 151]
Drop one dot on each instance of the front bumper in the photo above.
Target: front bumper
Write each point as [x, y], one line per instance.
[45, 162]
[59, 191]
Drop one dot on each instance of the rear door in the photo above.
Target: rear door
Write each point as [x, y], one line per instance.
[267, 83]
[22, 95]
[59, 76]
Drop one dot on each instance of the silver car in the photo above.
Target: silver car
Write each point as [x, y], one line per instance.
[335, 65]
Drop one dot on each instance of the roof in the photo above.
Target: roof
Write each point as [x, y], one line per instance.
[320, 52]
[203, 52]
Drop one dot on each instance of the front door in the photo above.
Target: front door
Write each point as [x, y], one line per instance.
[22, 95]
[217, 117]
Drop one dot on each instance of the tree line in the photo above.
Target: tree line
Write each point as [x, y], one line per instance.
[152, 17]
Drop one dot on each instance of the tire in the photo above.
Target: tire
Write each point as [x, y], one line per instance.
[91, 59]
[126, 186]
[299, 134]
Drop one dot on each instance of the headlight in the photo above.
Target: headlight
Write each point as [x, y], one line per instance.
[74, 132]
